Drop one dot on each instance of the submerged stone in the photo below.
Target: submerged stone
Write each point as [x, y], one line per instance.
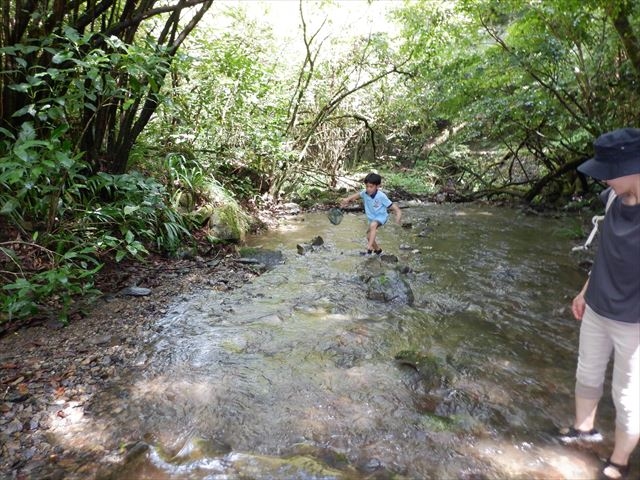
[268, 258]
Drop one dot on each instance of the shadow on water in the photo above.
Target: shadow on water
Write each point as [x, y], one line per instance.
[299, 375]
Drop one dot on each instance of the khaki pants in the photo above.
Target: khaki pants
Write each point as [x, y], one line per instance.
[599, 337]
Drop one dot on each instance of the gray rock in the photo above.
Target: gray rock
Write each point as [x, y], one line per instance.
[135, 291]
[102, 339]
[390, 286]
[13, 427]
[268, 259]
[304, 248]
[317, 241]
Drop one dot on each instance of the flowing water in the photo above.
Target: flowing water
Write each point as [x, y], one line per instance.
[294, 375]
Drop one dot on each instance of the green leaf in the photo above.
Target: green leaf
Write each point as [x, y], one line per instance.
[20, 87]
[9, 206]
[129, 209]
[62, 57]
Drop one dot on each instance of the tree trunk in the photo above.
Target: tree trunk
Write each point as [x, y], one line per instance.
[629, 39]
[104, 130]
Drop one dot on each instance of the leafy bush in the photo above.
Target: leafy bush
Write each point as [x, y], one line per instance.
[119, 215]
[127, 213]
[410, 182]
[48, 283]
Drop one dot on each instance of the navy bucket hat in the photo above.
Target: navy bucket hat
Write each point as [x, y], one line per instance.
[617, 154]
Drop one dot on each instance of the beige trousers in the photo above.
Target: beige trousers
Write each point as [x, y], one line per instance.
[599, 337]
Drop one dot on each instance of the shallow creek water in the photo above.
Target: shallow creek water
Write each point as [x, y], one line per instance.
[293, 376]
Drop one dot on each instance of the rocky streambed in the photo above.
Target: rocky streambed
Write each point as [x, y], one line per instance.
[49, 372]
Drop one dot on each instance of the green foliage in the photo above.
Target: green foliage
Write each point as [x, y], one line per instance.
[50, 289]
[229, 110]
[524, 86]
[36, 174]
[73, 102]
[409, 181]
[123, 213]
[115, 215]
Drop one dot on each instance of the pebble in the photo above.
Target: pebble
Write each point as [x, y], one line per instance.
[136, 291]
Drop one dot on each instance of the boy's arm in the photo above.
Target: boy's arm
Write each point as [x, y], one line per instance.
[396, 211]
[345, 201]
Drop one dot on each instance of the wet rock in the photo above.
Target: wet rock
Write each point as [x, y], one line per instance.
[386, 281]
[313, 245]
[434, 370]
[267, 258]
[372, 465]
[304, 248]
[389, 286]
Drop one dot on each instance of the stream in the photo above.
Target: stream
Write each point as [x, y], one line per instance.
[299, 375]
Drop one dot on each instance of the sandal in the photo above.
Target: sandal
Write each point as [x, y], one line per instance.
[620, 471]
[570, 435]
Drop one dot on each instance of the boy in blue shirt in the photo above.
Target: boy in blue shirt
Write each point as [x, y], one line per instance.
[376, 204]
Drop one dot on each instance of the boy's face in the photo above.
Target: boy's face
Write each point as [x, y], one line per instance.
[371, 188]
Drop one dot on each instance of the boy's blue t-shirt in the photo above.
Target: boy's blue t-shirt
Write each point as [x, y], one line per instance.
[376, 207]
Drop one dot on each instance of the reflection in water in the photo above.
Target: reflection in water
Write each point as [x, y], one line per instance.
[294, 375]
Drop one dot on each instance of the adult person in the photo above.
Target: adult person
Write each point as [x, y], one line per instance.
[608, 305]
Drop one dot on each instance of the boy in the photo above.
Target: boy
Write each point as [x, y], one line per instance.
[376, 204]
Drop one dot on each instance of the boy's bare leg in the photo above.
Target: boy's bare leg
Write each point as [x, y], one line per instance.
[371, 236]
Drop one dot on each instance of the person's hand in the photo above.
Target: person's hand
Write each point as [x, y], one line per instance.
[343, 203]
[578, 306]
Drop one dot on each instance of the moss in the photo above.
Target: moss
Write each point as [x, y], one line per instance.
[231, 217]
[435, 423]
[247, 251]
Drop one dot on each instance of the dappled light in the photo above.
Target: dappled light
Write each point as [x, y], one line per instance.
[196, 147]
[299, 371]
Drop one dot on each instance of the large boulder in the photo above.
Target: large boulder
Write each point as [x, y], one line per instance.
[386, 281]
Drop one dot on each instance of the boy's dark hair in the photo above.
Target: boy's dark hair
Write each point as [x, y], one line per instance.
[373, 178]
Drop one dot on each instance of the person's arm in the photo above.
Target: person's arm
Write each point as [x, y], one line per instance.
[346, 201]
[396, 211]
[578, 304]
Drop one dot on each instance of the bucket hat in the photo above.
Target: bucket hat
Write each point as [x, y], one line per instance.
[617, 154]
